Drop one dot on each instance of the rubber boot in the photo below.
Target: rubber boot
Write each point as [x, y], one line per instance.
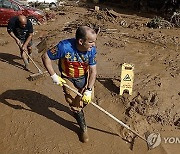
[79, 116]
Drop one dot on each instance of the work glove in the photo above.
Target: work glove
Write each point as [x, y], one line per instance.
[86, 98]
[58, 80]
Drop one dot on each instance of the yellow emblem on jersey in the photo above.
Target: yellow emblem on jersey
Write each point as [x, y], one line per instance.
[54, 50]
[68, 55]
[75, 59]
[94, 59]
[82, 57]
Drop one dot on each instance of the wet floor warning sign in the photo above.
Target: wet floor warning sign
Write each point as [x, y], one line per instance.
[127, 78]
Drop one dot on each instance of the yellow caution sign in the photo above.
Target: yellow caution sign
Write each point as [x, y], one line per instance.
[127, 78]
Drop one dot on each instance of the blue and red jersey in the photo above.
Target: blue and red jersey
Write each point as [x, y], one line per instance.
[72, 63]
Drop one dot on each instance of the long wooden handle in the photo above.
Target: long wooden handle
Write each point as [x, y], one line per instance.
[107, 113]
[33, 62]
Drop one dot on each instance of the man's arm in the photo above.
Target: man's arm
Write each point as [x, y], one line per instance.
[24, 46]
[30, 32]
[12, 35]
[48, 64]
[87, 95]
[10, 29]
[92, 76]
[15, 38]
[27, 40]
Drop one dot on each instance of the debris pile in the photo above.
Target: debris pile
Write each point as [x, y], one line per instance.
[50, 15]
[158, 22]
[105, 19]
[175, 19]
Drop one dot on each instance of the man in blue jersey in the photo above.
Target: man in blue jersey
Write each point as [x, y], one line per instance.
[77, 66]
[21, 30]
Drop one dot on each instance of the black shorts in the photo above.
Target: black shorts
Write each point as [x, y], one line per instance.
[79, 82]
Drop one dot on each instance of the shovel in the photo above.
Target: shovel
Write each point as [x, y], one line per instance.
[36, 75]
[114, 118]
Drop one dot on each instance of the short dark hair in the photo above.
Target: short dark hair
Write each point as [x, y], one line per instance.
[81, 33]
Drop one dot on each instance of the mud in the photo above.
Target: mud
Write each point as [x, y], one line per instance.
[35, 116]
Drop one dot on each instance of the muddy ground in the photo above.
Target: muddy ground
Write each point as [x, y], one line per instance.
[35, 117]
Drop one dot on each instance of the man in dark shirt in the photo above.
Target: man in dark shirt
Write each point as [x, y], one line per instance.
[21, 29]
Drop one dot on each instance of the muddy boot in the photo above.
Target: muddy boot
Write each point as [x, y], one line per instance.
[79, 116]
